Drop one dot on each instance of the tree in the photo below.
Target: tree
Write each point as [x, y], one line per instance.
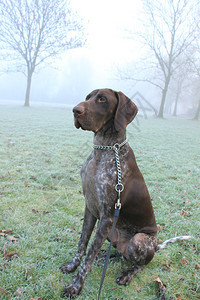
[194, 59]
[180, 82]
[166, 34]
[32, 32]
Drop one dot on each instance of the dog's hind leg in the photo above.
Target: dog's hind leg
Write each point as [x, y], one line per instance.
[139, 250]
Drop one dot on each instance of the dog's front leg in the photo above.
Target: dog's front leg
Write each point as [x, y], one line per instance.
[73, 289]
[88, 226]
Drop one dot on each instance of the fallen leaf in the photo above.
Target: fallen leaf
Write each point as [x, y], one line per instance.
[161, 227]
[184, 261]
[43, 187]
[35, 211]
[184, 213]
[26, 273]
[181, 279]
[46, 212]
[12, 239]
[162, 287]
[3, 291]
[6, 231]
[36, 222]
[166, 267]
[11, 255]
[18, 292]
[179, 179]
[114, 288]
[173, 177]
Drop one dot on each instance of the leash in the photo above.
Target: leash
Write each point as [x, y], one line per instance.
[119, 187]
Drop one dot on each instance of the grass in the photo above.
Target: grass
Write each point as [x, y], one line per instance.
[42, 205]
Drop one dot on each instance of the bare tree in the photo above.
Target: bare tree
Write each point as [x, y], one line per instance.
[180, 81]
[196, 88]
[166, 35]
[194, 60]
[177, 94]
[32, 32]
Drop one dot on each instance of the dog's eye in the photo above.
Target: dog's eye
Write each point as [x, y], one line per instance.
[102, 99]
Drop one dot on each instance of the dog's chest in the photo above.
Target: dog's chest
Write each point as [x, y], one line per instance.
[99, 177]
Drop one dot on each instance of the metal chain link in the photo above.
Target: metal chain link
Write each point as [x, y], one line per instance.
[119, 187]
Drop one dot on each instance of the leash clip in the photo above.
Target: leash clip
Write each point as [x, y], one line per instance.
[118, 205]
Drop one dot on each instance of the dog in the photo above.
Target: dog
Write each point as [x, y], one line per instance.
[107, 113]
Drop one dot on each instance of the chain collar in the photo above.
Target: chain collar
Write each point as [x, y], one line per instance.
[115, 146]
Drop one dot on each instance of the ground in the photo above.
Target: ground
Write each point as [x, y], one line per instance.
[42, 205]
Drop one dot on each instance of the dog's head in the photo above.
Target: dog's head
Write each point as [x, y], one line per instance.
[104, 108]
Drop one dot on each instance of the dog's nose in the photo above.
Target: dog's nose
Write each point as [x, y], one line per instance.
[78, 110]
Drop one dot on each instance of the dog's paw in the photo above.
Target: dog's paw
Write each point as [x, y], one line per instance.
[68, 267]
[71, 291]
[124, 278]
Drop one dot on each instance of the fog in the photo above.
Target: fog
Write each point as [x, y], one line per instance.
[75, 73]
[78, 71]
[68, 81]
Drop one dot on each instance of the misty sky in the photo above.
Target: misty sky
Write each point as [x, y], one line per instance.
[79, 71]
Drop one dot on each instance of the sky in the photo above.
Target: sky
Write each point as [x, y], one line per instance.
[108, 22]
[79, 71]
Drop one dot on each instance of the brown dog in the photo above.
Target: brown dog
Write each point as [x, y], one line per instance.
[107, 113]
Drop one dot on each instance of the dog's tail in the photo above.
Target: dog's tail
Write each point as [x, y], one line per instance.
[173, 240]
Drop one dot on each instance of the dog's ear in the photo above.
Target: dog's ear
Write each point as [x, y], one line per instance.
[125, 113]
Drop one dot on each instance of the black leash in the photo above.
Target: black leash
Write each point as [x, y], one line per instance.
[108, 253]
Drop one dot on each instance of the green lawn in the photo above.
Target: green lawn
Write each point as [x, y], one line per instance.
[41, 205]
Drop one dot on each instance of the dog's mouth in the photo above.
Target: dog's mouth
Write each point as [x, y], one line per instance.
[78, 124]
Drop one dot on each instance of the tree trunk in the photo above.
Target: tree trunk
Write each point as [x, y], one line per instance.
[178, 92]
[196, 117]
[175, 106]
[28, 89]
[161, 110]
[164, 95]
